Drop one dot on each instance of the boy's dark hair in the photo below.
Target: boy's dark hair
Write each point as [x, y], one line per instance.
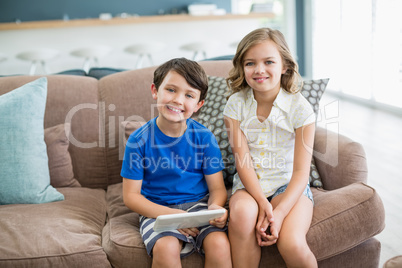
[190, 70]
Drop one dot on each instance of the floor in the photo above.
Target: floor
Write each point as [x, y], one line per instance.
[380, 134]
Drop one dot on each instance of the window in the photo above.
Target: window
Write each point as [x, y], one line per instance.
[358, 44]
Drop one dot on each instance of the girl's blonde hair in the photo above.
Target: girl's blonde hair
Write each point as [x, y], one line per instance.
[290, 81]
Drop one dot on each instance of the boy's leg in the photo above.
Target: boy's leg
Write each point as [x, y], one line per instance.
[217, 250]
[292, 242]
[166, 252]
[151, 238]
[242, 221]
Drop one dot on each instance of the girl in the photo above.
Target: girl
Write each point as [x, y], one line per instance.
[271, 132]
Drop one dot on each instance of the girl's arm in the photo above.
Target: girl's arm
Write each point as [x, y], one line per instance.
[134, 200]
[217, 197]
[301, 167]
[244, 165]
[247, 174]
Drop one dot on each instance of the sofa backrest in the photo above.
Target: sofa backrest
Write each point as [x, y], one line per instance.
[73, 99]
[95, 109]
[127, 97]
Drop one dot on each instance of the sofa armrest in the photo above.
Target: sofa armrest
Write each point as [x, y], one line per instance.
[340, 161]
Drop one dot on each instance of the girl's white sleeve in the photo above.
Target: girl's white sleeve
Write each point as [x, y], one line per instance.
[303, 114]
[233, 107]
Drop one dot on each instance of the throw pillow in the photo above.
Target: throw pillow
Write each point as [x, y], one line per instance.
[211, 116]
[24, 170]
[126, 128]
[60, 164]
[314, 177]
[312, 90]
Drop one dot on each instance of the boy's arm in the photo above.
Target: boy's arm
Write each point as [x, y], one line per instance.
[217, 189]
[217, 197]
[135, 201]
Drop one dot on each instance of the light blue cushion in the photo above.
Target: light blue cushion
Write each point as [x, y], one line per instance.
[24, 171]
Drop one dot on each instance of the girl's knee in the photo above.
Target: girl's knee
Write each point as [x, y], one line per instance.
[243, 211]
[293, 250]
[242, 220]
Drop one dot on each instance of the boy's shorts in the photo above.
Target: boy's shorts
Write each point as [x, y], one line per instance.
[190, 244]
[307, 192]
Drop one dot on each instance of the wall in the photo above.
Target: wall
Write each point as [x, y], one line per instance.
[28, 10]
[220, 32]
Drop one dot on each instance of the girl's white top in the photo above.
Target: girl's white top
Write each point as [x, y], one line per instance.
[271, 142]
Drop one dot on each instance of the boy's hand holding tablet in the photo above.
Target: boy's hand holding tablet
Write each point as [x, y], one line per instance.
[191, 220]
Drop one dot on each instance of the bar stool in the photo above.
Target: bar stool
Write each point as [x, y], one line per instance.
[3, 57]
[197, 48]
[91, 55]
[234, 44]
[144, 50]
[38, 56]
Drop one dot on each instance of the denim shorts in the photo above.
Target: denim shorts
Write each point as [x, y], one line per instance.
[307, 192]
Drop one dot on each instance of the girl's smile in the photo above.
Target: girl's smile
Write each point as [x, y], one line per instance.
[263, 67]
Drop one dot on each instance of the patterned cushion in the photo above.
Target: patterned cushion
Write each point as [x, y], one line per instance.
[312, 90]
[211, 116]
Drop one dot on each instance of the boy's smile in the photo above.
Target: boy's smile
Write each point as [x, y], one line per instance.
[176, 101]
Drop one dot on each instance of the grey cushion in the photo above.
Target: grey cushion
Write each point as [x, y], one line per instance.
[211, 115]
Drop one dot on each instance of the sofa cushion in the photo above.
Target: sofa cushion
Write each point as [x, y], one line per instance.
[336, 226]
[74, 99]
[60, 165]
[24, 170]
[339, 216]
[126, 128]
[210, 115]
[126, 97]
[121, 239]
[59, 234]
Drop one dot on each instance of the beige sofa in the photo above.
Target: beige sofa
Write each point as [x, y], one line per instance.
[93, 228]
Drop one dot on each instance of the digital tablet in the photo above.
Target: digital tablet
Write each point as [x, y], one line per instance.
[186, 220]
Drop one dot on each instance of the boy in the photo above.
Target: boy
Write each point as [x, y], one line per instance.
[173, 164]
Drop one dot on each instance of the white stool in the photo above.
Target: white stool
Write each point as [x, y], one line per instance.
[3, 57]
[197, 48]
[38, 56]
[144, 50]
[234, 44]
[91, 54]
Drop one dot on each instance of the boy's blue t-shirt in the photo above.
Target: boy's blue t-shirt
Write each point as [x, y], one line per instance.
[172, 169]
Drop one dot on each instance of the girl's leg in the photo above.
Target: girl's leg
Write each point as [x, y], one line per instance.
[292, 242]
[217, 250]
[243, 212]
[166, 252]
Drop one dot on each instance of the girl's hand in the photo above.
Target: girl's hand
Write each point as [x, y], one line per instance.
[263, 226]
[219, 222]
[276, 226]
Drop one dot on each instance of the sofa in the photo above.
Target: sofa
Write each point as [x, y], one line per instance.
[91, 227]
